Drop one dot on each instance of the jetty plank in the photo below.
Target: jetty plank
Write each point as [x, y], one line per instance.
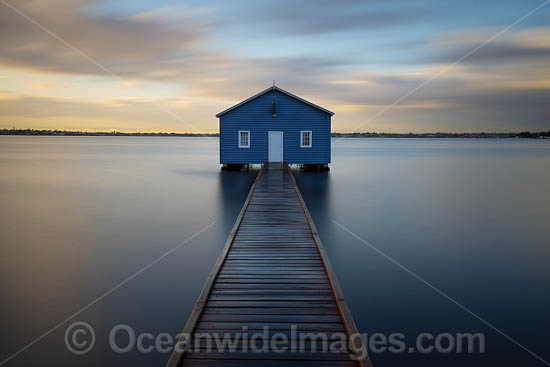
[274, 272]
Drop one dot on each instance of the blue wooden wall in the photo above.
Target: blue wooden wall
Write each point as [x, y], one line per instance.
[293, 116]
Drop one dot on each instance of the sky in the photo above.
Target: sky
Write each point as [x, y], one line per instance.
[383, 66]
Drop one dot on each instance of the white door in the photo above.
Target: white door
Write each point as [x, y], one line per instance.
[275, 146]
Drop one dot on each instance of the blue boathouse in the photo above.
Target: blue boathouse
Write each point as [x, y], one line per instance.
[275, 126]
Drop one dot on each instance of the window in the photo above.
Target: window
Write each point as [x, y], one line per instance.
[305, 139]
[244, 139]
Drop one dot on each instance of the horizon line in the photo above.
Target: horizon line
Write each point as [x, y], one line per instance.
[6, 131]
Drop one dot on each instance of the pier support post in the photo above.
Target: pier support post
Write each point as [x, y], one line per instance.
[232, 166]
[321, 167]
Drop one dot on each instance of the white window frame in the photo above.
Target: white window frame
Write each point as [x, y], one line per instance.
[302, 139]
[239, 138]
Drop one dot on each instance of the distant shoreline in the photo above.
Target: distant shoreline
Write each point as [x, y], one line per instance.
[482, 135]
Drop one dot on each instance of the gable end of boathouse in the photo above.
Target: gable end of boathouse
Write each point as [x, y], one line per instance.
[275, 126]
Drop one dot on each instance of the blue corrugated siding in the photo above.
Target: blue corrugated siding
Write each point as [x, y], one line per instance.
[293, 116]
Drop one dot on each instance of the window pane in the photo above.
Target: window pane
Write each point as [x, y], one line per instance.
[306, 138]
[244, 138]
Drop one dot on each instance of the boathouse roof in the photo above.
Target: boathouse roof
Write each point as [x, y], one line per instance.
[274, 88]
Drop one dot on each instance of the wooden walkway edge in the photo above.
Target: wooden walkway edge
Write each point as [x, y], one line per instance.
[273, 271]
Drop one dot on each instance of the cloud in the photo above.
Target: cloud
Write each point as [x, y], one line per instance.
[146, 46]
[499, 52]
[119, 43]
[321, 17]
[532, 45]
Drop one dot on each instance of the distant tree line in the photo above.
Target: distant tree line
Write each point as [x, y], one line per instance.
[483, 135]
[92, 133]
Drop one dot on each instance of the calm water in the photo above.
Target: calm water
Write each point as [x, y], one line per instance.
[82, 214]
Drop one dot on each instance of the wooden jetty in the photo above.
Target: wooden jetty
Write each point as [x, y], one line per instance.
[274, 272]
